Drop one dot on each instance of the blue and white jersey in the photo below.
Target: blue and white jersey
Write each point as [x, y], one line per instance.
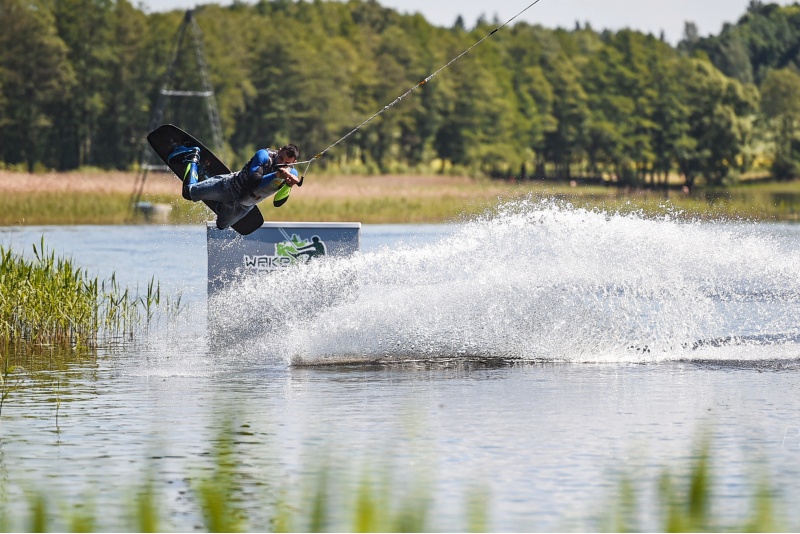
[258, 179]
[267, 186]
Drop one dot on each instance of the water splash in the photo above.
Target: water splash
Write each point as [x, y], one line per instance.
[539, 281]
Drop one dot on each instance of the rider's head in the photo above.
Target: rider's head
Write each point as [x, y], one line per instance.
[288, 153]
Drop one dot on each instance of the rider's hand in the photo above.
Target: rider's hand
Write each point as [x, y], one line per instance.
[288, 177]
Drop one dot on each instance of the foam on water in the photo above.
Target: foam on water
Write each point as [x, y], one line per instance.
[533, 281]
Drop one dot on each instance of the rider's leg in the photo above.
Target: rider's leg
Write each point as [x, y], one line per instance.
[191, 157]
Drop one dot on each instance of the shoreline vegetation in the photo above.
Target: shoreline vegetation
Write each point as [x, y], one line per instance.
[50, 302]
[682, 499]
[53, 312]
[531, 100]
[103, 197]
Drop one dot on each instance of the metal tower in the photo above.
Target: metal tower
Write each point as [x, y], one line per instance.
[148, 159]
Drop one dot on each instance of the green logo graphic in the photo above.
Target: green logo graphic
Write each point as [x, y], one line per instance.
[300, 249]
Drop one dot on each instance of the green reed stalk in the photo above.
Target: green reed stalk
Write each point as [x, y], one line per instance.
[6, 376]
[145, 513]
[38, 516]
[687, 506]
[370, 507]
[50, 301]
[218, 494]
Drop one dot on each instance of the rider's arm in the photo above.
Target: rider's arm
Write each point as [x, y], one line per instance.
[255, 169]
[268, 178]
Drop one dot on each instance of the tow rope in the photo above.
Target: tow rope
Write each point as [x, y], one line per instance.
[308, 163]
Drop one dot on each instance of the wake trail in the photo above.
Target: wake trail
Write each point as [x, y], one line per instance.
[533, 281]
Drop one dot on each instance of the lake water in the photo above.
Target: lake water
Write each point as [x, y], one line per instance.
[535, 355]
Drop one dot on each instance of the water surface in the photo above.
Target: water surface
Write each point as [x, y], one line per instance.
[537, 354]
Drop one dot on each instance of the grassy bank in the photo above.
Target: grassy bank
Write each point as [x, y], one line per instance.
[95, 198]
[105, 198]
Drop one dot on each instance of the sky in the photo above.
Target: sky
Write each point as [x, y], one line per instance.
[651, 16]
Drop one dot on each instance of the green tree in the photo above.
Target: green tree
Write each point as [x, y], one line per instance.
[394, 136]
[564, 143]
[230, 54]
[303, 95]
[734, 59]
[670, 138]
[533, 91]
[718, 122]
[3, 104]
[483, 131]
[118, 137]
[38, 80]
[606, 131]
[766, 37]
[79, 78]
[86, 28]
[780, 104]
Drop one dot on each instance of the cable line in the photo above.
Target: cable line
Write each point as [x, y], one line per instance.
[420, 84]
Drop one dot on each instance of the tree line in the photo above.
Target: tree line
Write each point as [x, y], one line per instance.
[79, 78]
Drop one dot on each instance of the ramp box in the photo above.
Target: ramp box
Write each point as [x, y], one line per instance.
[276, 245]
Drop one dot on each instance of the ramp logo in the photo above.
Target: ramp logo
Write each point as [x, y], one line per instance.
[291, 250]
[301, 249]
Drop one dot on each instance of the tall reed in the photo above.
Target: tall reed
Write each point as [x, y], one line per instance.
[52, 313]
[50, 301]
[681, 504]
[442, 199]
[686, 503]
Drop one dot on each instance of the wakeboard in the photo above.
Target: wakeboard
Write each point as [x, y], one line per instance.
[167, 137]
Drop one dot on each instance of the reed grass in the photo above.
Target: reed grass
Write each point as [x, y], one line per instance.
[52, 313]
[380, 199]
[384, 210]
[40, 208]
[684, 502]
[735, 203]
[49, 300]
